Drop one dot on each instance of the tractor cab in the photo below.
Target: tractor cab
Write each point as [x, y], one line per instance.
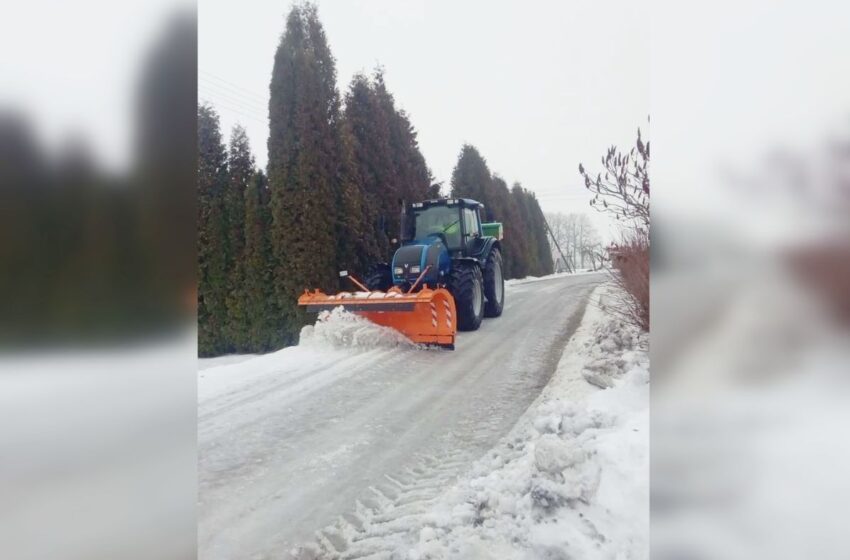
[456, 222]
[434, 233]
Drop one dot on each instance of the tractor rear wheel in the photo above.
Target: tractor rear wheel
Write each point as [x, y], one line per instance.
[466, 285]
[379, 278]
[494, 284]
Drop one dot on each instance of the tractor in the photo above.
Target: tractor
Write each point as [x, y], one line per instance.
[445, 276]
[463, 254]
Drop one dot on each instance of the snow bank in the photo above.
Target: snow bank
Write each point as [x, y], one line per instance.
[341, 329]
[571, 480]
[337, 335]
[227, 359]
[530, 279]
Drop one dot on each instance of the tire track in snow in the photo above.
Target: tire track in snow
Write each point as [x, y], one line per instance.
[381, 433]
[393, 516]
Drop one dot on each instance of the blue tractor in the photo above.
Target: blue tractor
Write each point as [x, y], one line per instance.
[446, 239]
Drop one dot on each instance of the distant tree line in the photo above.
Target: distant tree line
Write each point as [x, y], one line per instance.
[579, 240]
[329, 199]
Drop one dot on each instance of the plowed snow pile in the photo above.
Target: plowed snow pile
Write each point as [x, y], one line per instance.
[340, 329]
[571, 480]
[336, 335]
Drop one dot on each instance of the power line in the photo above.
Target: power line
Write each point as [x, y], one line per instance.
[552, 235]
[230, 84]
[232, 93]
[218, 103]
[234, 100]
[229, 108]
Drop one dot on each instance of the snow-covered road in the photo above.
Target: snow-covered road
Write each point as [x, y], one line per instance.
[294, 442]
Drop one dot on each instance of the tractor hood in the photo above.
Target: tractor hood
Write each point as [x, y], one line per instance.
[410, 260]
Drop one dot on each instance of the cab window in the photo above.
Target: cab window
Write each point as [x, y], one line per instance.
[470, 220]
[438, 220]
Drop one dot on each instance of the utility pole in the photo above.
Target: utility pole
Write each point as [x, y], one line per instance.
[552, 235]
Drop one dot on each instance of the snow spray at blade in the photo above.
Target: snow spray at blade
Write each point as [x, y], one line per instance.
[426, 316]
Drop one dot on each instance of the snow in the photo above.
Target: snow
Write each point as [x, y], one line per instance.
[364, 295]
[341, 329]
[339, 446]
[337, 334]
[206, 363]
[530, 279]
[571, 480]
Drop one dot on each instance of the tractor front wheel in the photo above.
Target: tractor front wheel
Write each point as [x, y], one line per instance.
[467, 287]
[379, 278]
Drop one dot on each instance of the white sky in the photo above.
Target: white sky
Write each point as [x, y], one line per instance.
[537, 87]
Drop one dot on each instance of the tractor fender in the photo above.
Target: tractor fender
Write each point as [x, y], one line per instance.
[489, 244]
[471, 260]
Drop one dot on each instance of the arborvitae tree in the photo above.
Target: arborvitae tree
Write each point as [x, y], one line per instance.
[357, 243]
[525, 231]
[240, 170]
[541, 236]
[304, 165]
[367, 131]
[434, 191]
[522, 261]
[471, 177]
[536, 252]
[411, 171]
[503, 210]
[257, 296]
[212, 235]
[387, 163]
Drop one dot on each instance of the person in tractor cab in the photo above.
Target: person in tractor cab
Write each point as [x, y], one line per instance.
[438, 220]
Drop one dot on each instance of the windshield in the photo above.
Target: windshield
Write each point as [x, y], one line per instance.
[436, 220]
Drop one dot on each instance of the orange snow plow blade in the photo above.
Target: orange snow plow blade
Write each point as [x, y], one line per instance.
[426, 316]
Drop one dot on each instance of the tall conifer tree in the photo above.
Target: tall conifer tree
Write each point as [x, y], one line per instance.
[304, 167]
[522, 260]
[471, 177]
[388, 164]
[367, 128]
[411, 172]
[212, 235]
[263, 331]
[241, 171]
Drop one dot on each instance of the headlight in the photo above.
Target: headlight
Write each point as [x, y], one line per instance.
[415, 269]
[398, 271]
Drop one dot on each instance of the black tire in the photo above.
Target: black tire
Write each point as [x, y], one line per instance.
[494, 284]
[379, 278]
[466, 284]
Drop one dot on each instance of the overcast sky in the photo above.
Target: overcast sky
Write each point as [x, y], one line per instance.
[536, 87]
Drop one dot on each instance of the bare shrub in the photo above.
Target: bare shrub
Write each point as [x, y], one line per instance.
[630, 264]
[622, 190]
